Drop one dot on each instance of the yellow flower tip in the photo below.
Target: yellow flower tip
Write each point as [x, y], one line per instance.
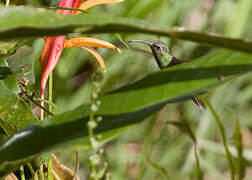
[91, 3]
[118, 50]
[97, 57]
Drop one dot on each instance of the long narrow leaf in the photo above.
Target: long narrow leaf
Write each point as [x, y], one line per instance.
[178, 83]
[224, 139]
[62, 129]
[24, 22]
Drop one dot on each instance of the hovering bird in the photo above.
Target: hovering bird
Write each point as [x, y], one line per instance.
[163, 58]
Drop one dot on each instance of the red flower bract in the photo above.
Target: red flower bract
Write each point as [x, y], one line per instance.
[54, 45]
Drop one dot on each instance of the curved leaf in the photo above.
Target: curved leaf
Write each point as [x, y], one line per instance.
[64, 128]
[7, 48]
[127, 105]
[14, 112]
[177, 83]
[26, 22]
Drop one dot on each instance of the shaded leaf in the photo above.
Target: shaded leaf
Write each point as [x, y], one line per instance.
[4, 72]
[22, 63]
[48, 135]
[159, 168]
[7, 48]
[178, 83]
[14, 112]
[7, 77]
[224, 139]
[31, 22]
[126, 106]
[184, 127]
[241, 163]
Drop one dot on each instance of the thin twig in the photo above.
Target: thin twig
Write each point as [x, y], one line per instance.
[224, 139]
[64, 8]
[77, 165]
[23, 91]
[34, 174]
[38, 104]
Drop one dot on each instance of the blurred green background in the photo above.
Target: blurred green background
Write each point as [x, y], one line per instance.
[155, 149]
[132, 154]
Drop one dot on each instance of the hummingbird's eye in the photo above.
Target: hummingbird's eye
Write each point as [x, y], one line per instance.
[157, 47]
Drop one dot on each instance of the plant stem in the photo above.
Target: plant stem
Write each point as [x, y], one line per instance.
[22, 173]
[7, 3]
[77, 166]
[37, 103]
[91, 137]
[34, 174]
[224, 141]
[51, 92]
[50, 98]
[41, 172]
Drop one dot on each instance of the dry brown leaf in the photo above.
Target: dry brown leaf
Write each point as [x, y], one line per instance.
[11, 176]
[60, 171]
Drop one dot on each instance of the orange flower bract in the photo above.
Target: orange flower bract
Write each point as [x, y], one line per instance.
[54, 45]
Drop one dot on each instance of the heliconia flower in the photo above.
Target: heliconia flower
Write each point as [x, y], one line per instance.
[91, 3]
[54, 45]
[87, 43]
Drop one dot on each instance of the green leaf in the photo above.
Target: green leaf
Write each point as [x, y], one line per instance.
[184, 127]
[178, 83]
[14, 112]
[7, 77]
[158, 167]
[31, 22]
[241, 162]
[61, 131]
[22, 63]
[4, 72]
[128, 105]
[224, 139]
[7, 48]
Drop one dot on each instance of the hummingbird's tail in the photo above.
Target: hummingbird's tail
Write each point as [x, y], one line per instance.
[199, 103]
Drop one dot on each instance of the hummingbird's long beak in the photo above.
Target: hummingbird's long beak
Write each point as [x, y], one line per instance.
[141, 41]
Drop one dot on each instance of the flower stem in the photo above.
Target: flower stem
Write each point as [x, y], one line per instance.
[51, 92]
[22, 173]
[41, 172]
[50, 98]
[7, 3]
[34, 174]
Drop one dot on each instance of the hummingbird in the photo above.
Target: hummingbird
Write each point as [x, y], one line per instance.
[163, 58]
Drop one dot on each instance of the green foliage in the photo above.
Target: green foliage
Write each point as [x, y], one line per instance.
[178, 83]
[137, 99]
[31, 23]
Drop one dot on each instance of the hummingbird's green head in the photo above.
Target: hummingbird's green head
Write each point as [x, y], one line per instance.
[161, 52]
[160, 46]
